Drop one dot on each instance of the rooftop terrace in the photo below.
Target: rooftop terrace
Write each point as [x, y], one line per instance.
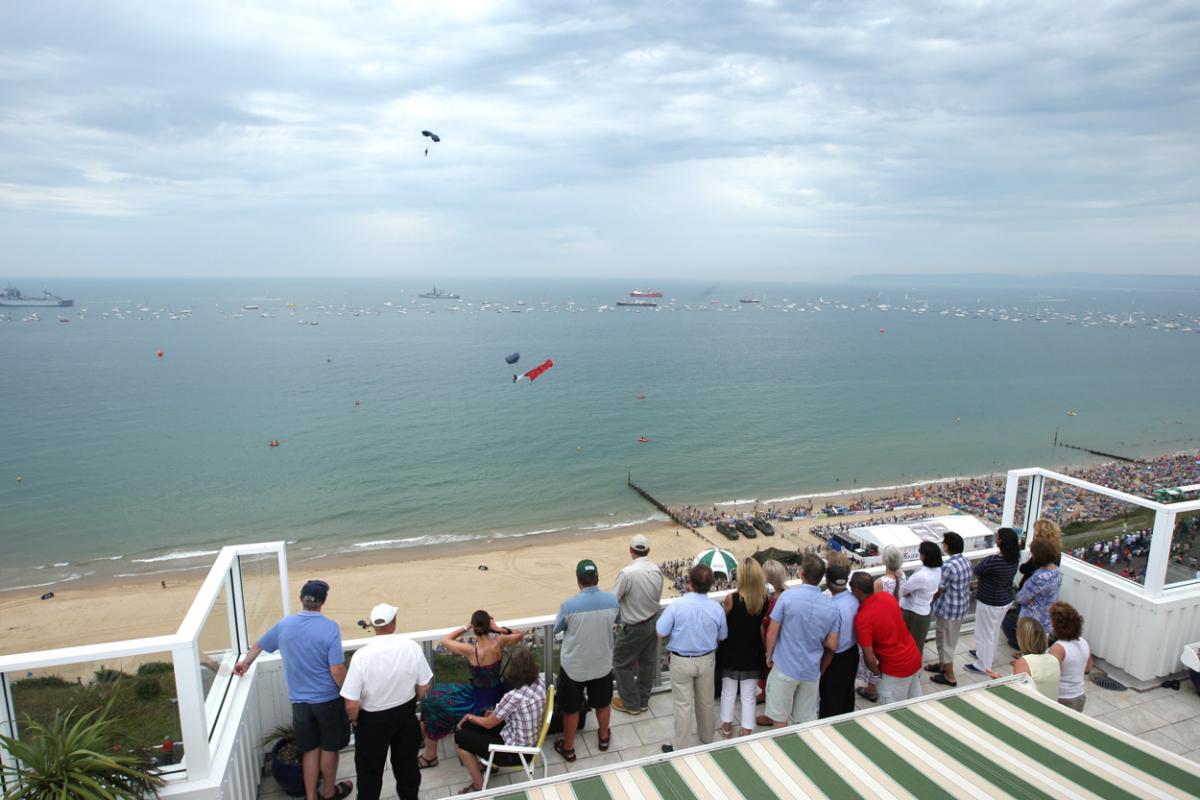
[1166, 718]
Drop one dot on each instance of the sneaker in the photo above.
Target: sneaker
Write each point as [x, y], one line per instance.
[666, 748]
[973, 668]
[973, 654]
[619, 705]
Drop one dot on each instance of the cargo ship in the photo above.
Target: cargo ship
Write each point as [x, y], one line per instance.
[645, 293]
[13, 298]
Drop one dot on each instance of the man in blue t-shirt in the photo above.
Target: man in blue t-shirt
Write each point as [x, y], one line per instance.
[804, 626]
[315, 667]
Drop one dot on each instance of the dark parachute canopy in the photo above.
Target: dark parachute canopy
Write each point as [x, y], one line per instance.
[512, 358]
[431, 135]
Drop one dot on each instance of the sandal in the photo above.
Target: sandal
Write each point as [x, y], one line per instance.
[726, 730]
[943, 680]
[603, 742]
[745, 732]
[871, 698]
[560, 747]
[426, 763]
[341, 790]
[470, 789]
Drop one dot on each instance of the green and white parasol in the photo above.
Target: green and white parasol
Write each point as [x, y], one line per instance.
[719, 561]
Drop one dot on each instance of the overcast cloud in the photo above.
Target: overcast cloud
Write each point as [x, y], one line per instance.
[762, 140]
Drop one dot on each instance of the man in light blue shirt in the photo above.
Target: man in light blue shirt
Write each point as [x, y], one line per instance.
[694, 624]
[804, 624]
[840, 668]
[314, 667]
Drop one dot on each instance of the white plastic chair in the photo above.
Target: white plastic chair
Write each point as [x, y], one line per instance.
[529, 755]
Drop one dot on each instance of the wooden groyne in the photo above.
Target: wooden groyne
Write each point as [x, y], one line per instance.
[1059, 443]
[661, 506]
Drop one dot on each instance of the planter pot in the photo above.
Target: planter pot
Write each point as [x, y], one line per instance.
[288, 774]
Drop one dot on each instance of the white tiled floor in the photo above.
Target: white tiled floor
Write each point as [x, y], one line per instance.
[1165, 717]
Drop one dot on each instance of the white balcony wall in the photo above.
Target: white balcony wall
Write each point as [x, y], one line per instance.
[1129, 629]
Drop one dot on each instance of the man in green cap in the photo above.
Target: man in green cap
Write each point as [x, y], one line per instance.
[586, 622]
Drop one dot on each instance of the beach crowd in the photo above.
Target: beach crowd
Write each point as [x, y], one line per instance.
[804, 651]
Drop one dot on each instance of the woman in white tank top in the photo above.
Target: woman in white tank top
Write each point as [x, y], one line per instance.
[1073, 654]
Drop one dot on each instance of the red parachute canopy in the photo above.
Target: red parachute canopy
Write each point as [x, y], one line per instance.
[533, 374]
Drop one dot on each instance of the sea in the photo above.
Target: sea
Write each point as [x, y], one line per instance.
[135, 438]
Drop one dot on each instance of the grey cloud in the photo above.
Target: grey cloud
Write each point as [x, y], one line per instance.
[607, 131]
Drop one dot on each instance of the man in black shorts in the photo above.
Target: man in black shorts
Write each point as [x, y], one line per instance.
[315, 667]
[586, 623]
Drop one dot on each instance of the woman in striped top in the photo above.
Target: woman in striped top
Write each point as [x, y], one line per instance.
[993, 595]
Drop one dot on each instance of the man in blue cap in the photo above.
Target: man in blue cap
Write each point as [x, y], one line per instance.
[315, 667]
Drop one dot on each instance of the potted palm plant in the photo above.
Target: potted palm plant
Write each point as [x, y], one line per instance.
[285, 760]
[71, 757]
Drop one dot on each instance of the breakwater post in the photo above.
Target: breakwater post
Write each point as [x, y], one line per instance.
[1059, 443]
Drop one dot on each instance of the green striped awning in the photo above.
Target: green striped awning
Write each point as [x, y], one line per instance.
[992, 741]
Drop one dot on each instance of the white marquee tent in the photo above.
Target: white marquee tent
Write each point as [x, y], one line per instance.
[909, 535]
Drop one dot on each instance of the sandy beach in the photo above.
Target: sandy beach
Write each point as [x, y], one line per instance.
[435, 586]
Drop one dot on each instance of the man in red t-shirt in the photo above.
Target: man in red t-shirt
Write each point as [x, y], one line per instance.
[887, 646]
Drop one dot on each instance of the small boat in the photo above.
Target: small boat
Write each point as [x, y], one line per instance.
[745, 530]
[637, 303]
[727, 530]
[643, 439]
[764, 527]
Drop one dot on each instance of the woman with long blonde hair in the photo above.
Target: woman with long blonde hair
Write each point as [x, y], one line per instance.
[743, 656]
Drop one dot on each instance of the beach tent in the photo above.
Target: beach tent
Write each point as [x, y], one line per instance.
[909, 535]
[719, 560]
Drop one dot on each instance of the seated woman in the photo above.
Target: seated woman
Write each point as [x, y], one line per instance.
[1072, 652]
[516, 720]
[1034, 660]
[446, 703]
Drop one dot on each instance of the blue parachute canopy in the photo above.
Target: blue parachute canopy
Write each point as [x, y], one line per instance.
[512, 358]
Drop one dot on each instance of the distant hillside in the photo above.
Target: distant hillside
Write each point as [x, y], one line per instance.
[1060, 279]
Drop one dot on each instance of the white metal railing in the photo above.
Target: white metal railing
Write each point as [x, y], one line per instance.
[208, 721]
[1138, 628]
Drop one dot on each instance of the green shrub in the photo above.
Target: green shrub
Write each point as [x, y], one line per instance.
[106, 675]
[146, 688]
[156, 668]
[48, 682]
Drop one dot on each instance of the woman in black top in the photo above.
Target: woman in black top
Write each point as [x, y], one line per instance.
[993, 595]
[743, 656]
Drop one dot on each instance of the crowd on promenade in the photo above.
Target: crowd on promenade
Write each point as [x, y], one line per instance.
[804, 651]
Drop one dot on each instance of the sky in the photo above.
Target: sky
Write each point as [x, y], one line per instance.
[772, 141]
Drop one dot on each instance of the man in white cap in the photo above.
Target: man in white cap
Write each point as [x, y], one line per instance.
[639, 589]
[383, 684]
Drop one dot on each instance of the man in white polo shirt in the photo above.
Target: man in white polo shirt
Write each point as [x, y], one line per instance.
[383, 684]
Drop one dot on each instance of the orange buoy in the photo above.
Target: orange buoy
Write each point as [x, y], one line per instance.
[159, 353]
[274, 443]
